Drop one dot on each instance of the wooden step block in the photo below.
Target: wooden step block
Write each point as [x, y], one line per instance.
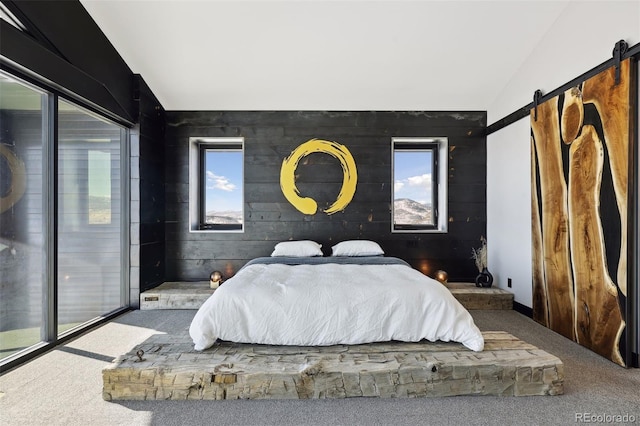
[176, 295]
[167, 367]
[472, 297]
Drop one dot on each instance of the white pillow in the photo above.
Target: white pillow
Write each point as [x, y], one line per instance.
[303, 248]
[357, 248]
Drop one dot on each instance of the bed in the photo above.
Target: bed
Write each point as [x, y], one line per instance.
[291, 298]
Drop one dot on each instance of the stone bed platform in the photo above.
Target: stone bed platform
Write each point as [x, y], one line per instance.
[191, 295]
[472, 297]
[167, 367]
[176, 295]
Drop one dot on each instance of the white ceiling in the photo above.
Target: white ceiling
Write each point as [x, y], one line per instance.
[325, 55]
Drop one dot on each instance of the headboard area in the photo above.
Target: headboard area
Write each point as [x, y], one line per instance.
[323, 176]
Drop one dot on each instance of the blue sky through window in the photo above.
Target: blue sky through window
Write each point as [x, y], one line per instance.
[224, 181]
[413, 175]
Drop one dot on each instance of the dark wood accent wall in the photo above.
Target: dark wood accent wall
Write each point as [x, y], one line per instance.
[270, 136]
[151, 119]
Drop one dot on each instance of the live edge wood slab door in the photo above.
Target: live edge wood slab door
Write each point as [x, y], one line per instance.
[581, 162]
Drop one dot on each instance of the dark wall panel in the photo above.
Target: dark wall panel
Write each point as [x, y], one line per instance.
[151, 118]
[270, 136]
[66, 46]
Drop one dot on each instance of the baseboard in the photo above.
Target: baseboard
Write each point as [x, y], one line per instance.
[523, 309]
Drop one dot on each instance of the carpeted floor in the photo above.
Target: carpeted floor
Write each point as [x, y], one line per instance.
[64, 387]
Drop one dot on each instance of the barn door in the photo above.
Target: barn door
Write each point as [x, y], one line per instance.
[582, 201]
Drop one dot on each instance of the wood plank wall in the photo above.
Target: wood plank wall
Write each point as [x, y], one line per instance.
[270, 136]
[151, 235]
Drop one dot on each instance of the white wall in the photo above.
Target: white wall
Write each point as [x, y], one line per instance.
[509, 209]
[582, 37]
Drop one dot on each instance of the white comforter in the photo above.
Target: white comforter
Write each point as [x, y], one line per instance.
[319, 305]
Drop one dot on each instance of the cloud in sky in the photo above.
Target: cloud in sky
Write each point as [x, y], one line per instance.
[417, 188]
[413, 181]
[420, 180]
[219, 182]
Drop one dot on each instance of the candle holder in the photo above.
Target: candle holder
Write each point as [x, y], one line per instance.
[215, 279]
[441, 276]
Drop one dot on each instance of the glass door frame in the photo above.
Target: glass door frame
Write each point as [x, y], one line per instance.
[49, 327]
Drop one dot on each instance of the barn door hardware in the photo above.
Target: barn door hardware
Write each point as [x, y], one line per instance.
[537, 95]
[621, 51]
[618, 52]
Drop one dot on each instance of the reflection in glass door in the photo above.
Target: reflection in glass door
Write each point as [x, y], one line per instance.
[23, 136]
[89, 216]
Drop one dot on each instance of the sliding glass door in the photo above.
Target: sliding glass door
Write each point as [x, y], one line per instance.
[63, 238]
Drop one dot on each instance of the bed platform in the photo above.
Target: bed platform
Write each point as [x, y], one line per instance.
[167, 367]
[191, 295]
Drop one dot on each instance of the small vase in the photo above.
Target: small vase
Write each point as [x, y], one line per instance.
[484, 279]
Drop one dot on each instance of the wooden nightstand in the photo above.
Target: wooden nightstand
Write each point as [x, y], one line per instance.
[472, 297]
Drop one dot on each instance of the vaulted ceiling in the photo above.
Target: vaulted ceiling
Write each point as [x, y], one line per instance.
[325, 55]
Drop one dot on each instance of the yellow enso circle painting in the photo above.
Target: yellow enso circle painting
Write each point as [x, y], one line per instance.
[308, 205]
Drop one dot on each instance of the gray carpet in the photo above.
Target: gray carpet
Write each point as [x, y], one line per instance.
[64, 387]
